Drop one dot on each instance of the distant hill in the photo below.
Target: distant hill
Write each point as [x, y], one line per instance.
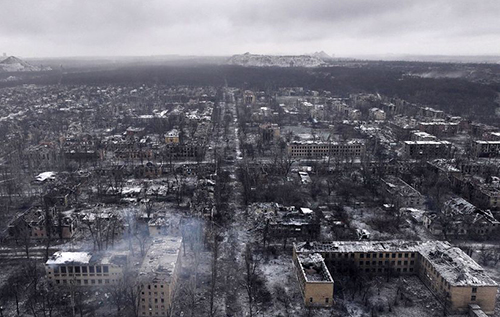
[322, 55]
[14, 64]
[254, 60]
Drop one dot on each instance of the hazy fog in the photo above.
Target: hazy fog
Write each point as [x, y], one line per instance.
[34, 28]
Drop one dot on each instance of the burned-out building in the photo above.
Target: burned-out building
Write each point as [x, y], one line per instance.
[316, 283]
[426, 149]
[401, 194]
[85, 268]
[458, 217]
[486, 148]
[39, 224]
[283, 223]
[450, 274]
[158, 276]
[310, 149]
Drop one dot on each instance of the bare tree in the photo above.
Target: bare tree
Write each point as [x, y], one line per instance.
[250, 275]
[100, 226]
[141, 234]
[284, 299]
[214, 271]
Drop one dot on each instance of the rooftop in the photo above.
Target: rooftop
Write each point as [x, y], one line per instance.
[428, 142]
[307, 142]
[456, 267]
[438, 123]
[314, 268]
[63, 257]
[160, 260]
[396, 185]
[75, 258]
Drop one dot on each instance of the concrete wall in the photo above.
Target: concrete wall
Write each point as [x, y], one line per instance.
[154, 299]
[461, 297]
[319, 294]
[57, 277]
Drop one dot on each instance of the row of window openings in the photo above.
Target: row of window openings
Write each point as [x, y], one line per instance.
[386, 262]
[156, 306]
[380, 270]
[77, 270]
[326, 150]
[326, 300]
[156, 299]
[85, 282]
[371, 255]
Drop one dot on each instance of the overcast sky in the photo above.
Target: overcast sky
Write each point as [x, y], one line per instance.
[37, 28]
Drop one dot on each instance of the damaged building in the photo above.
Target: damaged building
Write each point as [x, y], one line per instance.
[450, 274]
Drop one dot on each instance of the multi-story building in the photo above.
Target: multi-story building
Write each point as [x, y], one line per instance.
[403, 126]
[427, 149]
[482, 166]
[308, 149]
[432, 113]
[183, 151]
[451, 275]
[37, 224]
[458, 217]
[377, 114]
[418, 135]
[401, 193]
[485, 196]
[439, 128]
[287, 222]
[85, 268]
[158, 276]
[486, 148]
[172, 137]
[492, 136]
[316, 283]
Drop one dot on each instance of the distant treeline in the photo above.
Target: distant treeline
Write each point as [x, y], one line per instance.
[454, 95]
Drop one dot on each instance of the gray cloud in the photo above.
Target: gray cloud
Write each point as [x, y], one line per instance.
[136, 27]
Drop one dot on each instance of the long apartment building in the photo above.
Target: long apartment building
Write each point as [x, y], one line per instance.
[316, 283]
[309, 149]
[486, 148]
[85, 268]
[401, 194]
[427, 149]
[452, 276]
[158, 276]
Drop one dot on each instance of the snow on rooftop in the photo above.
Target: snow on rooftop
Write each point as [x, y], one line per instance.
[314, 268]
[160, 260]
[174, 133]
[487, 142]
[454, 265]
[62, 257]
[306, 211]
[45, 176]
[428, 142]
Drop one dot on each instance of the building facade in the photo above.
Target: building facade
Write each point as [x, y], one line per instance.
[158, 276]
[486, 148]
[316, 283]
[451, 275]
[401, 194]
[427, 149]
[308, 149]
[85, 269]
